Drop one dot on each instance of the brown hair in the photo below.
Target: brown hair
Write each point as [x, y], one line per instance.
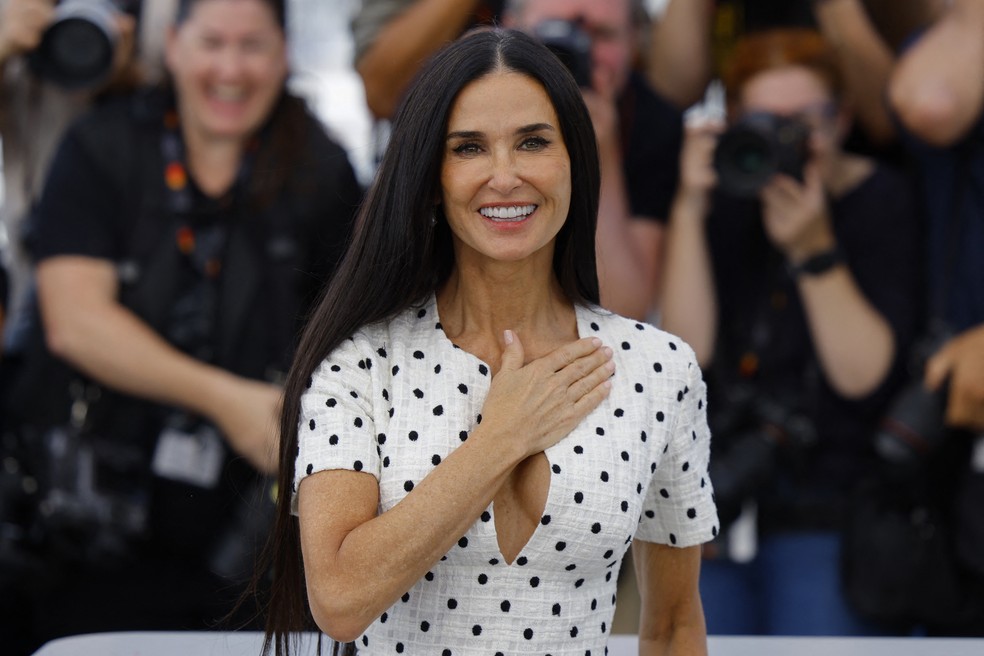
[765, 50]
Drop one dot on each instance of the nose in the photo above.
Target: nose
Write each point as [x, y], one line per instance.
[229, 63]
[504, 176]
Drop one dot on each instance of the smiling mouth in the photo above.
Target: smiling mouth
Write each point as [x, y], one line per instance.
[507, 214]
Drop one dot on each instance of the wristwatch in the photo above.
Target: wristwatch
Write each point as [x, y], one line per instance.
[816, 264]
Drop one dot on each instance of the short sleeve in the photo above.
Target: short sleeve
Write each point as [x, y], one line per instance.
[679, 507]
[336, 427]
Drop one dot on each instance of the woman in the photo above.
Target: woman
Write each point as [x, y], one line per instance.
[467, 469]
[181, 235]
[799, 302]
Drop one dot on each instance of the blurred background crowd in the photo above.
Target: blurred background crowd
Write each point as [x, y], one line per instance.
[796, 188]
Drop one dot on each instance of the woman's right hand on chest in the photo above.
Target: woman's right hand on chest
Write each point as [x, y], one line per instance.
[535, 405]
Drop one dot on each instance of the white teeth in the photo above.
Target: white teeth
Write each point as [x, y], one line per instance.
[513, 213]
[229, 94]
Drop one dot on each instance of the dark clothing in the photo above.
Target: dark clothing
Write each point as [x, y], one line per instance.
[652, 133]
[765, 349]
[952, 189]
[227, 280]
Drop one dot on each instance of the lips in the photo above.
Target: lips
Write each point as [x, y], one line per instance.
[507, 213]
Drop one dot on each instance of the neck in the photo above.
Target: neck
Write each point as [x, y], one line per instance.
[212, 162]
[477, 306]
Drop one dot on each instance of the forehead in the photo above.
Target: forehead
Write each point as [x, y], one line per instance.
[784, 90]
[501, 102]
[225, 13]
[610, 12]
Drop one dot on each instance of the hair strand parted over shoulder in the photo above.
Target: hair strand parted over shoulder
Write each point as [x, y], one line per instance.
[397, 258]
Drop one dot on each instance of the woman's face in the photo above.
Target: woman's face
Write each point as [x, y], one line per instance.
[795, 91]
[229, 62]
[506, 173]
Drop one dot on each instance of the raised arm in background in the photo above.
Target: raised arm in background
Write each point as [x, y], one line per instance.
[679, 60]
[403, 44]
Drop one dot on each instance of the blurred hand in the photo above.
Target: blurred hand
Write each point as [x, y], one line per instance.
[795, 214]
[22, 24]
[604, 118]
[542, 401]
[248, 414]
[697, 174]
[962, 361]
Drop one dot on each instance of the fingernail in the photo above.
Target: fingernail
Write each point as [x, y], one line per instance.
[596, 341]
[507, 336]
[608, 351]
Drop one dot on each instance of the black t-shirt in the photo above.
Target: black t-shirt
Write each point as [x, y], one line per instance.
[764, 346]
[652, 132]
[106, 198]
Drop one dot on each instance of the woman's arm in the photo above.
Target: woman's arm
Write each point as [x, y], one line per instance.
[937, 87]
[671, 619]
[85, 325]
[403, 44]
[358, 563]
[689, 301]
[679, 59]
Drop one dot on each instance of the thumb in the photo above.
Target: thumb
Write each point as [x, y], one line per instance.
[937, 369]
[512, 354]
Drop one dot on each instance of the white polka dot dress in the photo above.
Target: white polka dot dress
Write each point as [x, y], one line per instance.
[398, 397]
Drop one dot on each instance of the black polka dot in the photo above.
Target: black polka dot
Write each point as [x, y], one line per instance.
[419, 355]
[625, 506]
[335, 368]
[625, 456]
[663, 492]
[483, 579]
[486, 516]
[452, 603]
[657, 367]
[596, 528]
[463, 435]
[333, 440]
[446, 652]
[331, 403]
[425, 626]
[673, 539]
[522, 560]
[463, 388]
[383, 618]
[357, 465]
[600, 430]
[504, 606]
[408, 486]
[419, 393]
[594, 326]
[578, 449]
[436, 460]
[555, 469]
[399, 648]
[422, 313]
[405, 598]
[673, 346]
[545, 520]
[365, 640]
[594, 604]
[463, 542]
[686, 466]
[482, 369]
[311, 424]
[619, 412]
[604, 476]
[535, 582]
[382, 352]
[429, 576]
[626, 346]
[650, 514]
[643, 436]
[358, 422]
[660, 416]
[413, 436]
[560, 546]
[310, 469]
[477, 630]
[437, 369]
[638, 387]
[608, 554]
[528, 634]
[555, 610]
[395, 370]
[573, 631]
[692, 513]
[354, 394]
[571, 567]
[438, 410]
[578, 583]
[578, 497]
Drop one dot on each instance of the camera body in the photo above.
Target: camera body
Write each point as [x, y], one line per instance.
[572, 45]
[78, 49]
[762, 432]
[756, 147]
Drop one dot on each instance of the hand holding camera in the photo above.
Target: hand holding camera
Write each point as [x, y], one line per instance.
[22, 24]
[961, 362]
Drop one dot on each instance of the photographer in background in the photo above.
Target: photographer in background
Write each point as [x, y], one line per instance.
[181, 235]
[41, 92]
[639, 132]
[937, 92]
[792, 268]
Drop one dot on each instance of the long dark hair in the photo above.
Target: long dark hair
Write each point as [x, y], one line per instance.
[399, 256]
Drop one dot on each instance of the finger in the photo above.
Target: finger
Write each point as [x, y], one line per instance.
[937, 369]
[567, 354]
[582, 367]
[591, 400]
[512, 354]
[595, 377]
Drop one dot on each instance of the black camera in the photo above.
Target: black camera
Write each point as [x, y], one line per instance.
[572, 45]
[78, 48]
[762, 432]
[758, 146]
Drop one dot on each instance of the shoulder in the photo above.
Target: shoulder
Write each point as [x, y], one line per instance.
[638, 341]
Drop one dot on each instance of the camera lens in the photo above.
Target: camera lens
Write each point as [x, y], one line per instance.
[571, 44]
[757, 147]
[77, 50]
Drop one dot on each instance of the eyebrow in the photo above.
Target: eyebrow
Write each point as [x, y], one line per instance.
[474, 134]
